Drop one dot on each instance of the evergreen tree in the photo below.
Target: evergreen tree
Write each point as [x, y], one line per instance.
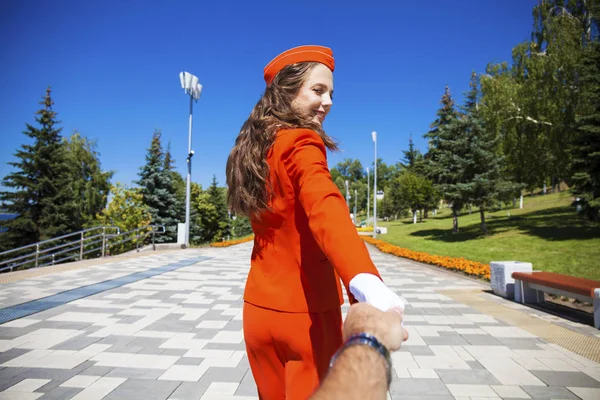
[213, 217]
[446, 155]
[586, 150]
[43, 198]
[483, 166]
[90, 183]
[157, 190]
[177, 190]
[411, 156]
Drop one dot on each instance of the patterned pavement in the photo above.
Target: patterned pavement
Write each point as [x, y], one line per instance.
[169, 326]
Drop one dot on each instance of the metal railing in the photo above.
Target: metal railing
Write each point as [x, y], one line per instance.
[92, 242]
[153, 231]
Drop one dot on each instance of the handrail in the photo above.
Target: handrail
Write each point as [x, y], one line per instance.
[68, 250]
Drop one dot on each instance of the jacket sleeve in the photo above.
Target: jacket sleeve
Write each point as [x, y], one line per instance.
[306, 165]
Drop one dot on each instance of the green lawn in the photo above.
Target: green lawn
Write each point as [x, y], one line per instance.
[546, 232]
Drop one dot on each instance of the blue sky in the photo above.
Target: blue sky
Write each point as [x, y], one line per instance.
[114, 64]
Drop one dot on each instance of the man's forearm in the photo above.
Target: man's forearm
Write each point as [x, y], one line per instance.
[358, 373]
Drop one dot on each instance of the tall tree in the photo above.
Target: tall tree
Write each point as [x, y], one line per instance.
[176, 188]
[157, 189]
[213, 214]
[586, 150]
[90, 183]
[43, 197]
[127, 211]
[446, 156]
[483, 168]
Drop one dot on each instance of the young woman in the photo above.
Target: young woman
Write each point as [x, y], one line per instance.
[304, 239]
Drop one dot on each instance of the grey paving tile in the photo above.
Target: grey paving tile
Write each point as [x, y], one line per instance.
[141, 389]
[418, 350]
[63, 325]
[6, 382]
[77, 343]
[218, 374]
[455, 340]
[481, 340]
[174, 352]
[47, 373]
[205, 333]
[60, 393]
[189, 361]
[117, 340]
[135, 373]
[146, 342]
[521, 343]
[171, 326]
[566, 378]
[11, 333]
[130, 319]
[151, 350]
[415, 387]
[96, 371]
[247, 389]
[225, 346]
[12, 353]
[548, 392]
[473, 377]
[189, 391]
[475, 365]
[9, 372]
[124, 349]
[215, 315]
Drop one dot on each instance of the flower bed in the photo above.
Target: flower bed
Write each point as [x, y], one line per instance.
[228, 243]
[365, 229]
[468, 267]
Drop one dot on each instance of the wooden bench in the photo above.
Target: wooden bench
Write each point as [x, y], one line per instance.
[531, 286]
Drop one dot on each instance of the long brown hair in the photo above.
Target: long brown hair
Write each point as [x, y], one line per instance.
[247, 168]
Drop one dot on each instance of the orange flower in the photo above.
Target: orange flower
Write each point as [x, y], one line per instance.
[455, 264]
[232, 242]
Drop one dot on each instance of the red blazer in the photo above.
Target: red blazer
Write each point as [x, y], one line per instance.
[306, 242]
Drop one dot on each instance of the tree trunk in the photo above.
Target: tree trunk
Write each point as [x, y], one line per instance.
[483, 225]
[426, 213]
[420, 215]
[454, 221]
[514, 202]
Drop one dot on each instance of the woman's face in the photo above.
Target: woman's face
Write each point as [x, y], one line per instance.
[314, 99]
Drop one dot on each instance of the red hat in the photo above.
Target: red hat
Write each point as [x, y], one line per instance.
[319, 54]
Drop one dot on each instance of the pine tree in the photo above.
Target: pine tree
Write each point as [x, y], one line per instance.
[90, 183]
[445, 165]
[176, 189]
[43, 198]
[586, 150]
[483, 166]
[219, 226]
[157, 189]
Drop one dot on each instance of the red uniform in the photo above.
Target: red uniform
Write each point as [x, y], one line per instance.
[303, 245]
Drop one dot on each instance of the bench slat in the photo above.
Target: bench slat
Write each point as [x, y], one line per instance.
[584, 287]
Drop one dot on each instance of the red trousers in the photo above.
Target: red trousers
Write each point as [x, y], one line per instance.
[289, 353]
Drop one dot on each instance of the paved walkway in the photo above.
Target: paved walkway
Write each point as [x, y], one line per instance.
[169, 326]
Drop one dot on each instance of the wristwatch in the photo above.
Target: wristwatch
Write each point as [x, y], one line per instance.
[371, 341]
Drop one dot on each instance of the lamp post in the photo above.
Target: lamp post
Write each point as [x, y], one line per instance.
[374, 135]
[355, 203]
[368, 195]
[191, 86]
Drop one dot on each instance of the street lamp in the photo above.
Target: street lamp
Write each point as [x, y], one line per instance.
[374, 135]
[368, 195]
[355, 205]
[191, 86]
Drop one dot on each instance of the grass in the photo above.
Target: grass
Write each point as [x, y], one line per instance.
[546, 232]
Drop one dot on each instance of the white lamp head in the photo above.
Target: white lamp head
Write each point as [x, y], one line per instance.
[190, 84]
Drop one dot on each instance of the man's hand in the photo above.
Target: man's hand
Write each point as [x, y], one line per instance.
[385, 326]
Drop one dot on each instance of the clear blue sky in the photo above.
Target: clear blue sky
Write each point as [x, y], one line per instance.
[113, 66]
